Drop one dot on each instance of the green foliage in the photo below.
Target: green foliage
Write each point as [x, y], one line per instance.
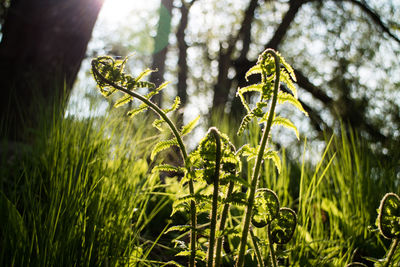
[77, 198]
[212, 183]
[389, 216]
[215, 163]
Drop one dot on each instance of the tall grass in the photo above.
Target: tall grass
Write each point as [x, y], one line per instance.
[336, 202]
[77, 198]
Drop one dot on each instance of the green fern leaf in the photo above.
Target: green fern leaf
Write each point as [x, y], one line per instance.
[288, 68]
[190, 126]
[143, 74]
[144, 84]
[245, 121]
[157, 90]
[123, 100]
[132, 113]
[285, 97]
[241, 96]
[158, 124]
[162, 145]
[251, 88]
[253, 70]
[179, 228]
[249, 152]
[286, 123]
[270, 154]
[176, 104]
[168, 168]
[289, 83]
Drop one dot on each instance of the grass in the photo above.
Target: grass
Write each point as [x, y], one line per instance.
[82, 194]
[78, 198]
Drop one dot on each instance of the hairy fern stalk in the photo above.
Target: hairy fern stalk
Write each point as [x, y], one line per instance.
[215, 164]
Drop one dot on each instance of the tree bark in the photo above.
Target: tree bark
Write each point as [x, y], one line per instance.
[43, 44]
[161, 47]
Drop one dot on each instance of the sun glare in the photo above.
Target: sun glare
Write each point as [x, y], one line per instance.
[117, 10]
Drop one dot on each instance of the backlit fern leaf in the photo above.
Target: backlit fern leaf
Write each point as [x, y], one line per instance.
[251, 88]
[177, 102]
[286, 123]
[132, 113]
[285, 78]
[270, 154]
[190, 126]
[157, 123]
[253, 70]
[288, 68]
[169, 168]
[123, 100]
[143, 74]
[162, 145]
[179, 228]
[285, 97]
[157, 90]
[245, 121]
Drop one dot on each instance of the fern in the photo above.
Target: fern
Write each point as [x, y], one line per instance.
[188, 128]
[215, 164]
[162, 145]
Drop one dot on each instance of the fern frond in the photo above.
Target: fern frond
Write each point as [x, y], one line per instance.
[157, 123]
[270, 154]
[144, 84]
[252, 88]
[285, 97]
[123, 100]
[157, 90]
[249, 152]
[288, 68]
[245, 121]
[132, 113]
[286, 123]
[256, 69]
[143, 74]
[237, 198]
[285, 78]
[179, 228]
[244, 103]
[162, 145]
[176, 104]
[168, 168]
[190, 126]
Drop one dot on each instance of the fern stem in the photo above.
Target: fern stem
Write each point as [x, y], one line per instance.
[271, 247]
[182, 148]
[257, 249]
[222, 222]
[393, 248]
[259, 160]
[213, 222]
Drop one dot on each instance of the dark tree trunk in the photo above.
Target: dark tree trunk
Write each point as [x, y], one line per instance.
[43, 44]
[161, 46]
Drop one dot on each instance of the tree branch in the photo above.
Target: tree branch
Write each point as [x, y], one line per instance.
[374, 16]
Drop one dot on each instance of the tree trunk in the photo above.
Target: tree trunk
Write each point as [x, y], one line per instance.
[161, 47]
[43, 44]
